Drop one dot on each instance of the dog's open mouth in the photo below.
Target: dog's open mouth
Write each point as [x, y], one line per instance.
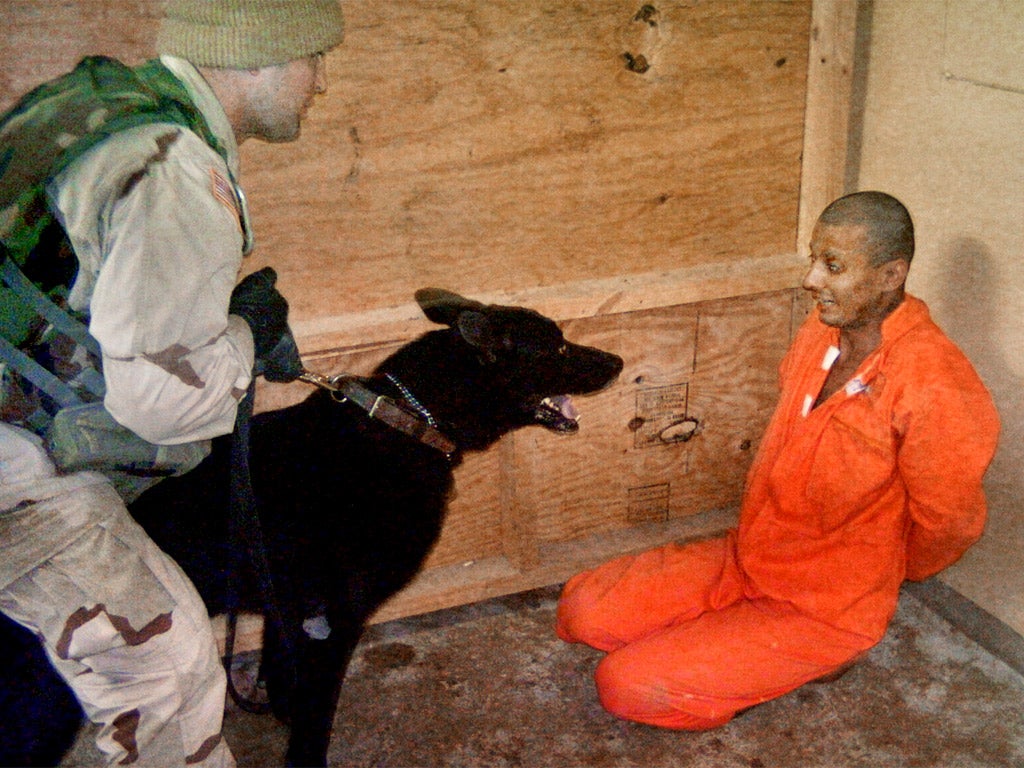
[558, 413]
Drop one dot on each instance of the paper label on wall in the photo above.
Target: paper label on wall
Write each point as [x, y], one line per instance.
[648, 504]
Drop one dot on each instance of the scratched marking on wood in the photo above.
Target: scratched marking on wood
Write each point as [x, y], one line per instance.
[726, 352]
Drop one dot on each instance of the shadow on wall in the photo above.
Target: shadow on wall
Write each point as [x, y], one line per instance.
[968, 301]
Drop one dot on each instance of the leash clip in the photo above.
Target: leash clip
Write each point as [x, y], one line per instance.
[331, 383]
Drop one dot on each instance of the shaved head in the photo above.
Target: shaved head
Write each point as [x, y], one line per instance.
[889, 228]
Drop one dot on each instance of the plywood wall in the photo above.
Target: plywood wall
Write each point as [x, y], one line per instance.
[601, 156]
[506, 147]
[633, 170]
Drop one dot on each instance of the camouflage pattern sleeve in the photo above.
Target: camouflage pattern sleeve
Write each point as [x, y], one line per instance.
[159, 244]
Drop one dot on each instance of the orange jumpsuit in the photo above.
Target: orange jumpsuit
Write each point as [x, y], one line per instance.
[879, 483]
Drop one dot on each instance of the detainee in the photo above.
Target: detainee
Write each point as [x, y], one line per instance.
[869, 473]
[127, 346]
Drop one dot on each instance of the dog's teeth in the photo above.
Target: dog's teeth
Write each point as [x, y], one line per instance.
[558, 413]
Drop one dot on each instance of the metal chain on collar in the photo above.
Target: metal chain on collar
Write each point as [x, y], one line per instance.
[411, 400]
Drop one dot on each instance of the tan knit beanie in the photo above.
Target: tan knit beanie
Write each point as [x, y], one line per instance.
[248, 34]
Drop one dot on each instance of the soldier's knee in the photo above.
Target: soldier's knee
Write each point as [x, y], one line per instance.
[194, 646]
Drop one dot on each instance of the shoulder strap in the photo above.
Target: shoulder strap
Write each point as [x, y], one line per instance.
[47, 130]
[57, 122]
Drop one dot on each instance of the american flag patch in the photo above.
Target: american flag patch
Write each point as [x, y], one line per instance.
[224, 191]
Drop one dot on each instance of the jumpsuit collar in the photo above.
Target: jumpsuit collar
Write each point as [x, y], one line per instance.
[910, 313]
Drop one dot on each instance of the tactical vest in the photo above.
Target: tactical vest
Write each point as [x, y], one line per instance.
[50, 364]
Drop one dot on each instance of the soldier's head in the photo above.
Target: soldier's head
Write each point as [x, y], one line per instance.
[264, 59]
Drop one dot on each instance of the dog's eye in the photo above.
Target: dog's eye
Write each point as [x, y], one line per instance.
[562, 350]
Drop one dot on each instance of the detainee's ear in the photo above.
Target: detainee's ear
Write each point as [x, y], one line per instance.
[894, 274]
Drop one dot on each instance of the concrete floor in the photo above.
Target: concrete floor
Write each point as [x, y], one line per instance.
[490, 685]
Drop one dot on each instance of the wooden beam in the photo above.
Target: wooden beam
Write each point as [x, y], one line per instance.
[827, 122]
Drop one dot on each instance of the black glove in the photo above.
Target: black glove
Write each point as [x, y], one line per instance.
[259, 303]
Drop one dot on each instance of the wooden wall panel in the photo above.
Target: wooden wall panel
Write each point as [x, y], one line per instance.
[504, 149]
[828, 168]
[632, 170]
[675, 435]
[42, 38]
[579, 485]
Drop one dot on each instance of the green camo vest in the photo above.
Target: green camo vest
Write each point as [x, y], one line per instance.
[50, 363]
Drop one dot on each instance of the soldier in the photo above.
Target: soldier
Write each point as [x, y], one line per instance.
[120, 208]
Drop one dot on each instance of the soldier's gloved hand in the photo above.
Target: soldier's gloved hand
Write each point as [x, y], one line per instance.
[261, 305]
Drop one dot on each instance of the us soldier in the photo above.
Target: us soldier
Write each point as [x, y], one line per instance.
[120, 207]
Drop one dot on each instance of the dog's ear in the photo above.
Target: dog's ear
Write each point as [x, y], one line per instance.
[476, 329]
[444, 307]
[470, 318]
[484, 332]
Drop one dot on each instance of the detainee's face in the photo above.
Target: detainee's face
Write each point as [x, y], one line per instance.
[282, 96]
[849, 291]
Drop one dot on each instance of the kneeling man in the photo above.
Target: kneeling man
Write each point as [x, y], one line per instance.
[869, 473]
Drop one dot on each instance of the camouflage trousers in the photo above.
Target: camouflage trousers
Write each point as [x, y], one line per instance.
[121, 623]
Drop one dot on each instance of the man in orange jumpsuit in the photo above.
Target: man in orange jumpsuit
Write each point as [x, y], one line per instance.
[869, 473]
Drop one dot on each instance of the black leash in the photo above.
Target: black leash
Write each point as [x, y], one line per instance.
[245, 538]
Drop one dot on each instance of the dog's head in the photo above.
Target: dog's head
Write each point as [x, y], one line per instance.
[521, 367]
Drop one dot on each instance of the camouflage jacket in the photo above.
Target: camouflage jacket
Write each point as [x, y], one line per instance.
[118, 203]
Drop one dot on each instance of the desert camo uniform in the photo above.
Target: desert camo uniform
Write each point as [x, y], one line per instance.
[158, 228]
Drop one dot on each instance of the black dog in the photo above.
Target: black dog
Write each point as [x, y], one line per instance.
[350, 505]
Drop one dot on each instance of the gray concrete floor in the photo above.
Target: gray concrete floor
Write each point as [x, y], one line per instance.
[490, 685]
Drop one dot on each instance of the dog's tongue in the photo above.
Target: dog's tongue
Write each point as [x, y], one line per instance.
[565, 406]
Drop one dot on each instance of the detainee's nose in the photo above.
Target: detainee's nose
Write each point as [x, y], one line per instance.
[813, 278]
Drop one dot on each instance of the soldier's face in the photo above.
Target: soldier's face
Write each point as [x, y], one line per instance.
[281, 97]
